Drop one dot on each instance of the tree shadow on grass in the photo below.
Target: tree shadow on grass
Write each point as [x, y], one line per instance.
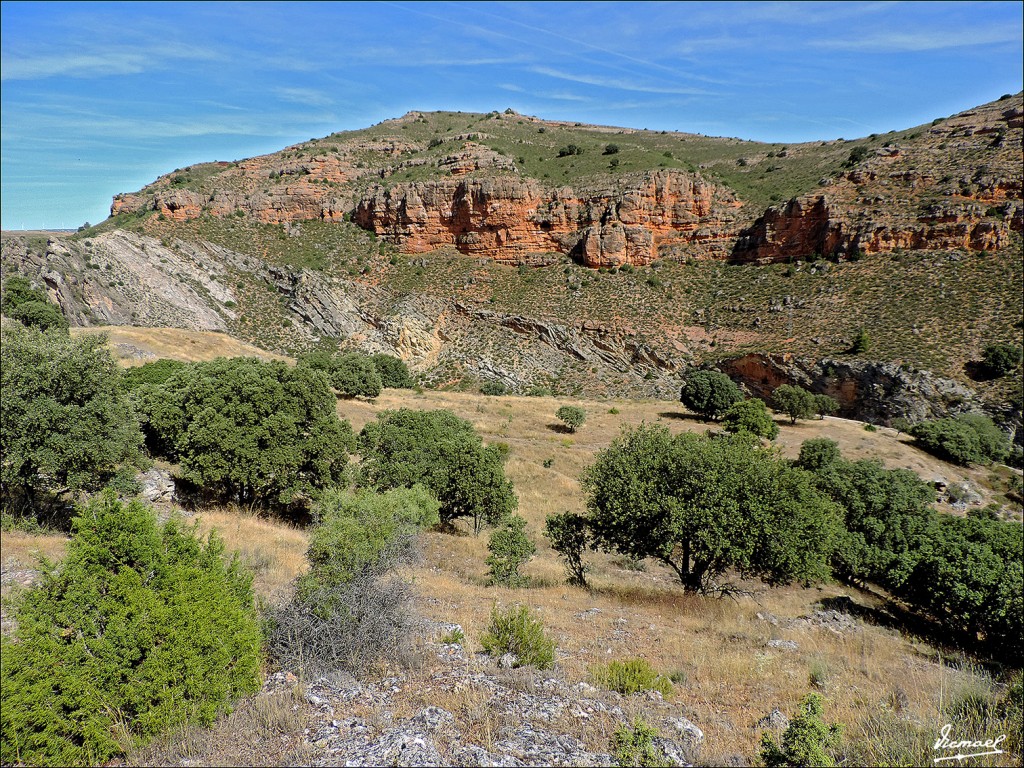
[560, 429]
[680, 416]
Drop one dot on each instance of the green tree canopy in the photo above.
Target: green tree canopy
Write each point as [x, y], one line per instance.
[750, 416]
[702, 506]
[248, 430]
[393, 372]
[442, 452]
[355, 375]
[795, 402]
[963, 439]
[65, 423]
[709, 393]
[140, 629]
[1001, 358]
[569, 534]
[572, 416]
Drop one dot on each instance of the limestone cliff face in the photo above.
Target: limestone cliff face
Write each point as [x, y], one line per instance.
[510, 219]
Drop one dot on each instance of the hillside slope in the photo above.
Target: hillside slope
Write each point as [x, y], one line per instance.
[398, 238]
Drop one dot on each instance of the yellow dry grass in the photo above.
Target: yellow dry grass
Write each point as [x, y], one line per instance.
[275, 551]
[21, 550]
[132, 345]
[716, 649]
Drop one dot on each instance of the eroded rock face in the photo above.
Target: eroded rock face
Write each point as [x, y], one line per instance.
[868, 390]
[508, 218]
[909, 195]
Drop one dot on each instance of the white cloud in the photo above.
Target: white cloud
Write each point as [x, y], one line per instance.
[618, 83]
[925, 40]
[128, 60]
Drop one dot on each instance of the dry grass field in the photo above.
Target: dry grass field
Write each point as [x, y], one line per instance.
[892, 691]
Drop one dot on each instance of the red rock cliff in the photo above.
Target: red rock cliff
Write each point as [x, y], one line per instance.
[508, 218]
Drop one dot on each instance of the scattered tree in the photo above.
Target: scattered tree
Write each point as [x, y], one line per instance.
[825, 405]
[966, 438]
[611, 149]
[818, 454]
[570, 537]
[750, 416]
[65, 425]
[1001, 358]
[709, 393]
[394, 374]
[441, 451]
[861, 342]
[510, 549]
[572, 416]
[702, 506]
[493, 388]
[354, 375]
[141, 628]
[795, 402]
[248, 431]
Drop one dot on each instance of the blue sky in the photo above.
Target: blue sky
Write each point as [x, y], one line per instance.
[101, 98]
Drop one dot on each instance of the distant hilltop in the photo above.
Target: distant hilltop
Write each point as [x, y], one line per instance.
[518, 189]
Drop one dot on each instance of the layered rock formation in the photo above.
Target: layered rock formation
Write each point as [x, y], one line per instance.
[509, 219]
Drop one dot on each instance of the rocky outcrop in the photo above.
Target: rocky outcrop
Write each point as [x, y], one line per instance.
[911, 194]
[508, 218]
[871, 391]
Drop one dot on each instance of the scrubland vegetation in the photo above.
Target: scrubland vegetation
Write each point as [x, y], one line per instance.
[608, 552]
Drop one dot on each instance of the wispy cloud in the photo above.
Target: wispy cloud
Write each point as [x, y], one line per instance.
[621, 84]
[920, 40]
[306, 96]
[128, 60]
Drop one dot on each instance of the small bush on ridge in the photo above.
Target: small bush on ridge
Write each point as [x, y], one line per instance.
[518, 632]
[509, 550]
[630, 676]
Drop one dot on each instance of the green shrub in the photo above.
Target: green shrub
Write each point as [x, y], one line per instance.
[509, 550]
[156, 373]
[795, 402]
[808, 741]
[393, 372]
[633, 745]
[443, 453]
[248, 431]
[948, 439]
[750, 416]
[141, 628]
[572, 416]
[570, 536]
[709, 393]
[349, 609]
[611, 149]
[518, 632]
[493, 388]
[40, 314]
[1001, 358]
[994, 444]
[66, 424]
[629, 677]
[18, 290]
